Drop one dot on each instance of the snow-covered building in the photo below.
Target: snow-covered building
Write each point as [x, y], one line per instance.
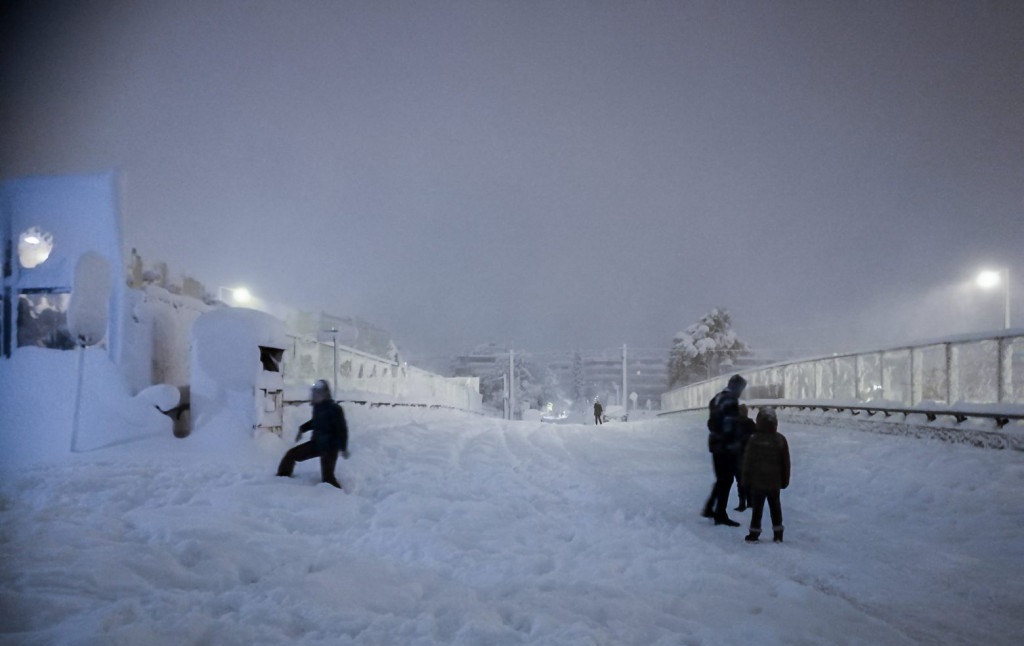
[68, 283]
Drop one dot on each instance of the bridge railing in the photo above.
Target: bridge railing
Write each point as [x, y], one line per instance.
[970, 369]
[375, 379]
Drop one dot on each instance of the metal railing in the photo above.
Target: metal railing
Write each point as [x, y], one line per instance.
[954, 372]
[364, 377]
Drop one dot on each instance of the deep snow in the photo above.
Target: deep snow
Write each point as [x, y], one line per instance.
[463, 529]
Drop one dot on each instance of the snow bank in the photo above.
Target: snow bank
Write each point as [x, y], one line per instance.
[226, 371]
[458, 529]
[39, 393]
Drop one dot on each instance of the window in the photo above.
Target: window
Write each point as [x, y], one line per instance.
[271, 359]
[43, 319]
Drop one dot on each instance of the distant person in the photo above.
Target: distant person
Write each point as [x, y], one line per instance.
[330, 435]
[598, 411]
[723, 443]
[766, 471]
[746, 429]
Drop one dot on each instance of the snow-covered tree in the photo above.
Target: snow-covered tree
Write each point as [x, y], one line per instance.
[578, 382]
[704, 350]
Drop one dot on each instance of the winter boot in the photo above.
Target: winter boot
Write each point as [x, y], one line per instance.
[777, 536]
[752, 537]
[728, 522]
[708, 512]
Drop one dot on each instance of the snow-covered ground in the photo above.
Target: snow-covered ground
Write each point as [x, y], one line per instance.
[458, 529]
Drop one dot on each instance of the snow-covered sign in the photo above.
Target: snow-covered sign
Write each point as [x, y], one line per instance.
[89, 309]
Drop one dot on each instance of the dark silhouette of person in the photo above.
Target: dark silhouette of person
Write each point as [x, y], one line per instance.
[724, 445]
[330, 435]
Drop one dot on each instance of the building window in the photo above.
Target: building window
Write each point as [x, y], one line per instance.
[43, 319]
[34, 247]
[271, 359]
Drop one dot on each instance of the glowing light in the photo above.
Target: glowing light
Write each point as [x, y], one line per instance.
[34, 247]
[241, 295]
[988, 279]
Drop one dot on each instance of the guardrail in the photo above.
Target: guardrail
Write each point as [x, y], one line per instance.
[1008, 431]
[931, 413]
[375, 379]
[955, 371]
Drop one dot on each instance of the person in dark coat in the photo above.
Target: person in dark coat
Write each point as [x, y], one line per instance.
[723, 443]
[598, 411]
[746, 429]
[766, 471]
[330, 435]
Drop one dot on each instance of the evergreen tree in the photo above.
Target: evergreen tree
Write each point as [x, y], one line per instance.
[578, 382]
[704, 350]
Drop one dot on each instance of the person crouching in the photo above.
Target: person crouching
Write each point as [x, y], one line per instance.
[330, 435]
[766, 472]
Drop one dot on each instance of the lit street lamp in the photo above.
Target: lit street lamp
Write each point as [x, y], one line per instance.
[234, 295]
[989, 279]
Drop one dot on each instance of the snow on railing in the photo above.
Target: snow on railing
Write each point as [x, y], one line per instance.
[375, 380]
[955, 371]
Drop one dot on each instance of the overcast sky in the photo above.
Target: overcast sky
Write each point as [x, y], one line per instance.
[554, 175]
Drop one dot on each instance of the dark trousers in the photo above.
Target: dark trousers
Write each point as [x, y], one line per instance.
[597, 418]
[742, 490]
[725, 471]
[758, 496]
[308, 451]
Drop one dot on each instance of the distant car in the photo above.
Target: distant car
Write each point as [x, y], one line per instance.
[614, 414]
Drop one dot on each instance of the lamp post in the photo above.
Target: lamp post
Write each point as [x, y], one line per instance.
[334, 345]
[989, 279]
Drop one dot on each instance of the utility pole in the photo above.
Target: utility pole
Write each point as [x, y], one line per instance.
[1006, 301]
[511, 384]
[334, 342]
[624, 391]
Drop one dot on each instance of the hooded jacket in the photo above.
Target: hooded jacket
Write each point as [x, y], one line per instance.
[766, 457]
[330, 432]
[723, 410]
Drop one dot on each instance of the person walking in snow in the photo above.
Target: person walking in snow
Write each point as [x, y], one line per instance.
[723, 443]
[598, 411]
[746, 429]
[330, 435]
[766, 471]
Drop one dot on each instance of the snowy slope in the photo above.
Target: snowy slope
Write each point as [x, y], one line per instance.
[461, 529]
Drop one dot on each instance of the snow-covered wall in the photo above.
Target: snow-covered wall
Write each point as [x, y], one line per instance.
[157, 328]
[76, 215]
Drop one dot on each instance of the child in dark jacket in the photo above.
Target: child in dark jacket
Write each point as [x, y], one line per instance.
[766, 472]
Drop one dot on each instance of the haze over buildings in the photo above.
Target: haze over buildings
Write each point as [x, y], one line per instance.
[549, 175]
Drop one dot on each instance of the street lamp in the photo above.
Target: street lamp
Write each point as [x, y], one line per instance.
[234, 295]
[989, 279]
[334, 344]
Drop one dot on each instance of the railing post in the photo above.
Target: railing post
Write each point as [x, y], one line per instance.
[1000, 367]
[949, 373]
[856, 377]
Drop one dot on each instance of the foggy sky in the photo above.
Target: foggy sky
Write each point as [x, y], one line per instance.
[554, 175]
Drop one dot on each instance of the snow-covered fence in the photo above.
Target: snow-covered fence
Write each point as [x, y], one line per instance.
[975, 369]
[365, 377]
